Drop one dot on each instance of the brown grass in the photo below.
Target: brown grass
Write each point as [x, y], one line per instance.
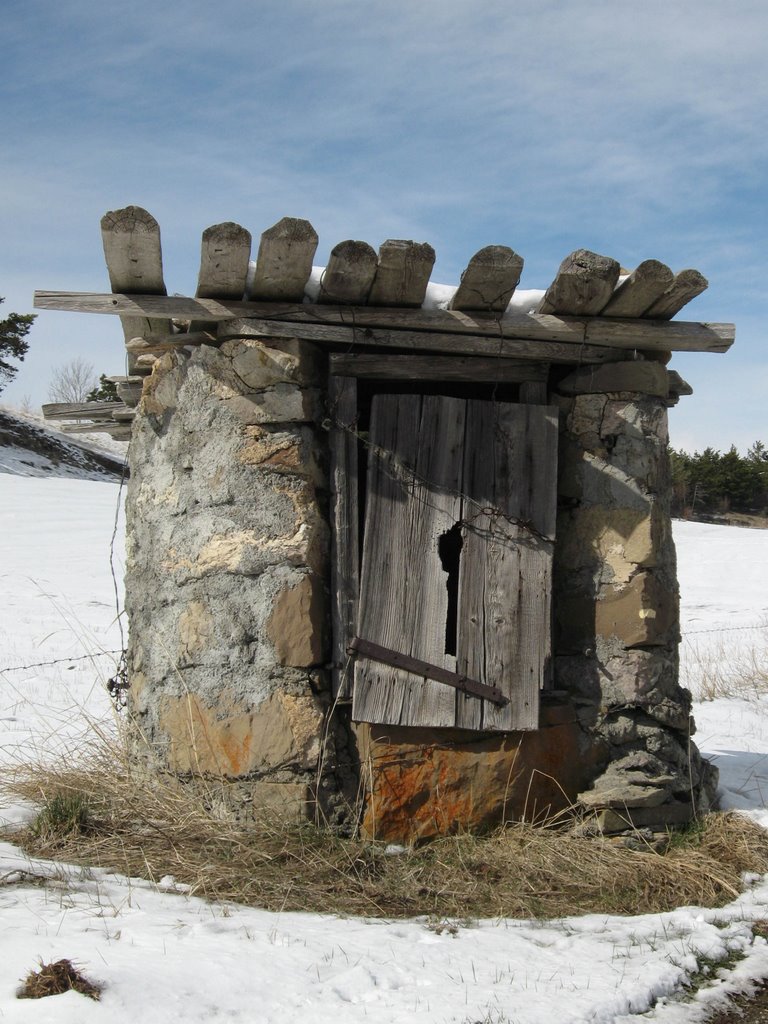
[55, 979]
[735, 666]
[108, 818]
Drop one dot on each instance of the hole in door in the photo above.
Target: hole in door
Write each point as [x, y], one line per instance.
[449, 545]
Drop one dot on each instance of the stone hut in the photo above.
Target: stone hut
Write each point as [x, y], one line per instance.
[401, 559]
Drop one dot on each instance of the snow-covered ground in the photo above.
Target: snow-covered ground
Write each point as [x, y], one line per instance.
[165, 957]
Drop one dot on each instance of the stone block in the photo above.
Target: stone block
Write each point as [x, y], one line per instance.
[638, 678]
[668, 815]
[195, 631]
[423, 782]
[644, 612]
[574, 623]
[263, 362]
[293, 453]
[281, 801]
[593, 478]
[636, 419]
[608, 541]
[232, 739]
[297, 625]
[648, 378]
[283, 403]
[584, 419]
[629, 795]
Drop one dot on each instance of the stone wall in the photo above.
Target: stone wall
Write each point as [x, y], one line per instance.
[227, 596]
[227, 567]
[615, 598]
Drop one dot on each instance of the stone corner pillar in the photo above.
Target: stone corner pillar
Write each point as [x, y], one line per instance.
[227, 564]
[616, 629]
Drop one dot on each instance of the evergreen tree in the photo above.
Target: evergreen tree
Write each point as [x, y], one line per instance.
[711, 481]
[13, 331]
[105, 392]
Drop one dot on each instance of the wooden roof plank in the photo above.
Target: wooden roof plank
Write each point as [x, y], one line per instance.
[489, 280]
[422, 341]
[224, 254]
[284, 261]
[647, 283]
[659, 335]
[641, 334]
[402, 273]
[349, 275]
[583, 285]
[686, 286]
[80, 410]
[132, 249]
[117, 431]
[131, 239]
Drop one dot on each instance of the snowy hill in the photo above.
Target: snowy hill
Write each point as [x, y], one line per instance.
[28, 447]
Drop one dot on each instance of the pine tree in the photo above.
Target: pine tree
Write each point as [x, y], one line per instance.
[13, 331]
[105, 392]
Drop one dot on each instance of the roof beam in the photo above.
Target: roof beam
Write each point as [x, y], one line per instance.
[610, 332]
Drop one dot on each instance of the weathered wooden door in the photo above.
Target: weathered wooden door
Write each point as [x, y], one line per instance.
[456, 562]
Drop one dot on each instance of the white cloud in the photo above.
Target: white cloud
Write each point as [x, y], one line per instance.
[634, 130]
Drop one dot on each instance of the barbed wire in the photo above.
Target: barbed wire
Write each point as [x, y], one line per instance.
[724, 629]
[394, 467]
[59, 661]
[113, 538]
[118, 611]
[121, 652]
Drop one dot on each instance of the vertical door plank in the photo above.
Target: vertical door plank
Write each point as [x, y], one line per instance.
[439, 470]
[413, 498]
[380, 690]
[345, 549]
[504, 619]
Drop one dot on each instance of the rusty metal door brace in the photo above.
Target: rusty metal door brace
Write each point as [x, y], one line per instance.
[425, 669]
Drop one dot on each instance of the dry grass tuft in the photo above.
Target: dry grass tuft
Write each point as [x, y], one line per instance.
[734, 666]
[55, 979]
[122, 823]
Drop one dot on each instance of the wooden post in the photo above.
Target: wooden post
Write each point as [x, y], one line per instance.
[284, 262]
[402, 274]
[647, 283]
[349, 274]
[686, 286]
[489, 280]
[584, 284]
[224, 254]
[131, 239]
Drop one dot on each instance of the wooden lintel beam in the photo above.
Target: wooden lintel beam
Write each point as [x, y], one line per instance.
[610, 332]
[476, 345]
[385, 366]
[81, 410]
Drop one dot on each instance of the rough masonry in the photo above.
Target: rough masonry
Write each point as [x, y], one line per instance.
[228, 601]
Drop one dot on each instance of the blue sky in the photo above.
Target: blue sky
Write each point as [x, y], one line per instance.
[638, 131]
